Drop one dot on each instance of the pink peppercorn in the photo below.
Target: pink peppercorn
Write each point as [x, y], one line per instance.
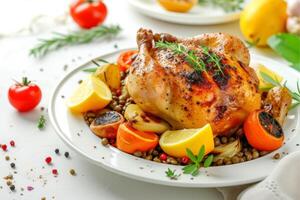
[163, 156]
[12, 143]
[185, 160]
[54, 171]
[4, 147]
[48, 160]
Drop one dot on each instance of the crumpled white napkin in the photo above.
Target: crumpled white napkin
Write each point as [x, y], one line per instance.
[282, 184]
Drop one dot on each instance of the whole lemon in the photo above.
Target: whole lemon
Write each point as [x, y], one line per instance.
[263, 18]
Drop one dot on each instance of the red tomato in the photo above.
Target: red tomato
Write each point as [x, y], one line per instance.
[126, 58]
[88, 13]
[24, 96]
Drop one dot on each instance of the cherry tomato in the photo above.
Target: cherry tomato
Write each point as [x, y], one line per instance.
[126, 58]
[24, 96]
[263, 132]
[88, 13]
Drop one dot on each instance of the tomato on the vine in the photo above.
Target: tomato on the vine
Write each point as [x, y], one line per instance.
[24, 96]
[88, 13]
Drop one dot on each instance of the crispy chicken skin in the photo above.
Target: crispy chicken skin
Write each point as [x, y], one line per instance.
[164, 84]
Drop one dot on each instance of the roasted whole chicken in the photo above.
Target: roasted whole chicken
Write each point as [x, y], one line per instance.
[164, 84]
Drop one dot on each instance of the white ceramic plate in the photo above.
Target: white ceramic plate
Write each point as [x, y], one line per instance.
[199, 15]
[75, 133]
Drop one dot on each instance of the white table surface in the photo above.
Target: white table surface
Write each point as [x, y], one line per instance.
[33, 145]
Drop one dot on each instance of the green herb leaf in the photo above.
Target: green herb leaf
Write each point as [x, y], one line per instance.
[201, 154]
[208, 161]
[191, 155]
[41, 122]
[226, 5]
[287, 45]
[269, 79]
[171, 174]
[92, 70]
[189, 168]
[83, 36]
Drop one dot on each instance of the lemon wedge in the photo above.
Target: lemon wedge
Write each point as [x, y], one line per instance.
[263, 85]
[92, 94]
[176, 142]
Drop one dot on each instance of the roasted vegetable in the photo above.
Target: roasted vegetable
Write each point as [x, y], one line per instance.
[144, 122]
[277, 103]
[106, 124]
[110, 74]
[227, 150]
[263, 132]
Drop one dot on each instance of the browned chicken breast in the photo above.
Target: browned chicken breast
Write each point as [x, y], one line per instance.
[164, 84]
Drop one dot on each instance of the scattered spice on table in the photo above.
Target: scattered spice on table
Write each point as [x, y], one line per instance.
[56, 151]
[48, 160]
[4, 147]
[54, 172]
[41, 122]
[67, 154]
[29, 188]
[12, 165]
[12, 187]
[72, 172]
[12, 143]
[276, 156]
[7, 158]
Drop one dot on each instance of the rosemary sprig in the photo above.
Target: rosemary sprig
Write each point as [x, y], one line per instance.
[213, 58]
[226, 5]
[171, 174]
[295, 95]
[193, 168]
[83, 36]
[189, 55]
[41, 122]
[94, 69]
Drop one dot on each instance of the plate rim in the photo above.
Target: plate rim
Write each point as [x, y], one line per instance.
[184, 18]
[69, 143]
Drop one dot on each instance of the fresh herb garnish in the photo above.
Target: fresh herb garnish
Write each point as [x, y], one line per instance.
[226, 5]
[287, 45]
[92, 70]
[83, 36]
[171, 174]
[190, 55]
[41, 122]
[294, 95]
[194, 167]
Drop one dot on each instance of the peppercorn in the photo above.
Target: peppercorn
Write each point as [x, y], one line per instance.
[48, 160]
[163, 157]
[72, 172]
[7, 158]
[104, 141]
[56, 151]
[185, 160]
[67, 154]
[12, 143]
[276, 156]
[54, 171]
[4, 147]
[12, 187]
[12, 165]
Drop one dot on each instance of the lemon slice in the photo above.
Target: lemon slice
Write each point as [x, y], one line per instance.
[176, 142]
[263, 85]
[92, 94]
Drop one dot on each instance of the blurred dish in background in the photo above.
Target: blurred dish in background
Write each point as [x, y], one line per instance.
[193, 13]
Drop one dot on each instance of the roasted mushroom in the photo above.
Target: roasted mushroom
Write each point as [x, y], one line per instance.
[106, 124]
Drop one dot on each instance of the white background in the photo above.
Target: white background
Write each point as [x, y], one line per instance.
[33, 145]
